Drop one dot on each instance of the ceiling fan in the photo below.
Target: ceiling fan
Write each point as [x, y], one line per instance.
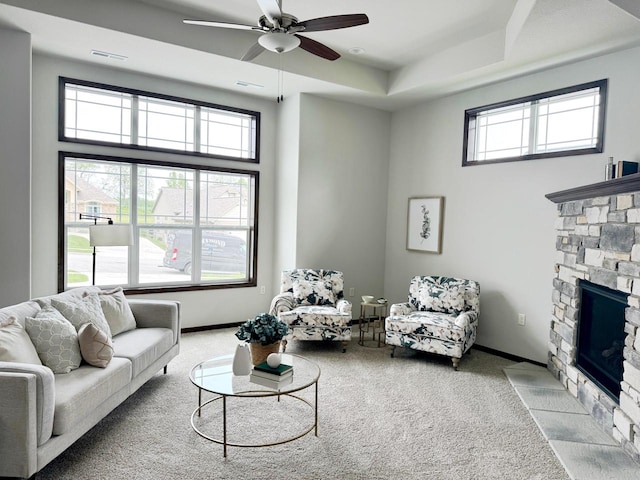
[280, 30]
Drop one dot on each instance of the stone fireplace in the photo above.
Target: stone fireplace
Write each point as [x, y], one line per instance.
[598, 244]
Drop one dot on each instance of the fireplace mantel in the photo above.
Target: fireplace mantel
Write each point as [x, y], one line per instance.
[626, 184]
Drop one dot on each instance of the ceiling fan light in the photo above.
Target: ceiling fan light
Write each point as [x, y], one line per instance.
[279, 42]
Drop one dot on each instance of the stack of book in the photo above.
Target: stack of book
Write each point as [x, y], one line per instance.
[275, 378]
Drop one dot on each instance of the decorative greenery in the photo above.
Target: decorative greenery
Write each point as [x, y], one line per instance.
[264, 329]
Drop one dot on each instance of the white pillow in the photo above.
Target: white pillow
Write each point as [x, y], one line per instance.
[82, 310]
[117, 311]
[95, 345]
[15, 344]
[55, 339]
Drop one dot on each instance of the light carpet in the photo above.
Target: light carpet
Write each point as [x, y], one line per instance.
[408, 417]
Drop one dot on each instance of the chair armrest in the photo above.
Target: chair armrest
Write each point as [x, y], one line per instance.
[158, 314]
[43, 397]
[401, 309]
[283, 302]
[467, 319]
[344, 306]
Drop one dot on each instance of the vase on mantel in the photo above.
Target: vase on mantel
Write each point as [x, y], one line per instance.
[242, 360]
[259, 352]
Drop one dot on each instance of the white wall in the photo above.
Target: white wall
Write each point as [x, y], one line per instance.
[15, 166]
[342, 192]
[498, 226]
[205, 307]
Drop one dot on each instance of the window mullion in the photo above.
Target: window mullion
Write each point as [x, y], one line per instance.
[196, 129]
[135, 118]
[196, 263]
[134, 250]
[533, 128]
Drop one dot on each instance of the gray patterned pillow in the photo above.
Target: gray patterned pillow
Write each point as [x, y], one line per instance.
[116, 310]
[82, 310]
[55, 339]
[313, 293]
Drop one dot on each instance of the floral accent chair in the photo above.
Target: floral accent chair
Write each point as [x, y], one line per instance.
[312, 303]
[440, 317]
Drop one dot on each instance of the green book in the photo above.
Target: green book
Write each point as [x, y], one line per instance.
[279, 370]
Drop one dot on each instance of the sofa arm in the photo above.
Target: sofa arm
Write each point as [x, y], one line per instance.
[401, 309]
[282, 302]
[344, 306]
[27, 397]
[467, 319]
[158, 314]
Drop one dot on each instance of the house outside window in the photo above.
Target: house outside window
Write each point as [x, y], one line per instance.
[195, 226]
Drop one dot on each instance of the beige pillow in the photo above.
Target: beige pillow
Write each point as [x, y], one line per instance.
[117, 311]
[15, 344]
[82, 310]
[95, 345]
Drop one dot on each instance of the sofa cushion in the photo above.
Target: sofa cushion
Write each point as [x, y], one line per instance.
[19, 311]
[55, 339]
[82, 310]
[430, 324]
[15, 344]
[95, 345]
[444, 299]
[80, 392]
[117, 311]
[142, 346]
[318, 292]
[311, 315]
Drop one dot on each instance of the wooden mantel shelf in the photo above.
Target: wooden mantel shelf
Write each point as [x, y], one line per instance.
[626, 184]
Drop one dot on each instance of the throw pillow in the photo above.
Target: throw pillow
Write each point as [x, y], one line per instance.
[55, 339]
[95, 345]
[15, 344]
[82, 310]
[313, 293]
[117, 311]
[439, 299]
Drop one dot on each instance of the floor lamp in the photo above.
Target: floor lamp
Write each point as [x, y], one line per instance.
[106, 235]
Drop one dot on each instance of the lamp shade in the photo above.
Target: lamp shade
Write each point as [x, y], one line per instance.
[110, 235]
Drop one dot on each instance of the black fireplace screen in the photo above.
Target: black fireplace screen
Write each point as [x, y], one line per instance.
[601, 336]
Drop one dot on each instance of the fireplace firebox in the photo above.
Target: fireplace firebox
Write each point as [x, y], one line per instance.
[601, 336]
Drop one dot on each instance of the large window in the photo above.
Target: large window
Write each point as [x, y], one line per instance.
[193, 226]
[102, 114]
[559, 123]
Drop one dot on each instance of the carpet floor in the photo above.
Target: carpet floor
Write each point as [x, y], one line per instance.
[408, 417]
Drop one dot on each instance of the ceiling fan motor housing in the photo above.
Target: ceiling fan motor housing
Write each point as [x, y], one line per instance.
[279, 42]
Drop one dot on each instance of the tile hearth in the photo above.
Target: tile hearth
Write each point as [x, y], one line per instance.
[583, 448]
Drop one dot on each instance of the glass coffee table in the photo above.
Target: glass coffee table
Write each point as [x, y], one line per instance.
[216, 376]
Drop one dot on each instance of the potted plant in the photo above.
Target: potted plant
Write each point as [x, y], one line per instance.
[263, 333]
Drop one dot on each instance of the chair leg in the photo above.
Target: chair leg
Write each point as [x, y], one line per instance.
[456, 362]
[284, 346]
[165, 369]
[393, 350]
[344, 346]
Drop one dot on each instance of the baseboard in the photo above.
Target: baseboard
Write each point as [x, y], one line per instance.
[209, 327]
[508, 356]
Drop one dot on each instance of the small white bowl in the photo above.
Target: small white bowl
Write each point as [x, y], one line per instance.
[367, 298]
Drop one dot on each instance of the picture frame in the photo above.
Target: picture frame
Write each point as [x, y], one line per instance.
[424, 224]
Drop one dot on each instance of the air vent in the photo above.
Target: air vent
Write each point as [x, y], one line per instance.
[112, 56]
[242, 83]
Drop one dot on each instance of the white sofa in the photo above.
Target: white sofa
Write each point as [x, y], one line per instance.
[42, 413]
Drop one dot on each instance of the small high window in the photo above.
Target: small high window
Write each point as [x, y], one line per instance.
[563, 122]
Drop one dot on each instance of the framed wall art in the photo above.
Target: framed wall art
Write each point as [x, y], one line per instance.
[424, 224]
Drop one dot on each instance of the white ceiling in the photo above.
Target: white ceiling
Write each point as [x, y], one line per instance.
[414, 49]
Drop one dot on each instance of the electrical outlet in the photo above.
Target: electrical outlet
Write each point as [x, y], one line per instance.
[522, 319]
[262, 290]
[352, 292]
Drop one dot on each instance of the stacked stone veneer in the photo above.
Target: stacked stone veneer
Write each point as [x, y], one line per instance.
[599, 240]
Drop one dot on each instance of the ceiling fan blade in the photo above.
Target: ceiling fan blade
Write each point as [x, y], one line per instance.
[271, 9]
[206, 23]
[255, 50]
[333, 22]
[317, 48]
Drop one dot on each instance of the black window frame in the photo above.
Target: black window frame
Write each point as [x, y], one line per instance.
[63, 81]
[253, 270]
[472, 113]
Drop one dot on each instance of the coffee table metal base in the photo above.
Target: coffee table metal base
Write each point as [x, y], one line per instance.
[224, 441]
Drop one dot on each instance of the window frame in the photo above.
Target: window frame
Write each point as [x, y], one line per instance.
[472, 114]
[252, 272]
[63, 81]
